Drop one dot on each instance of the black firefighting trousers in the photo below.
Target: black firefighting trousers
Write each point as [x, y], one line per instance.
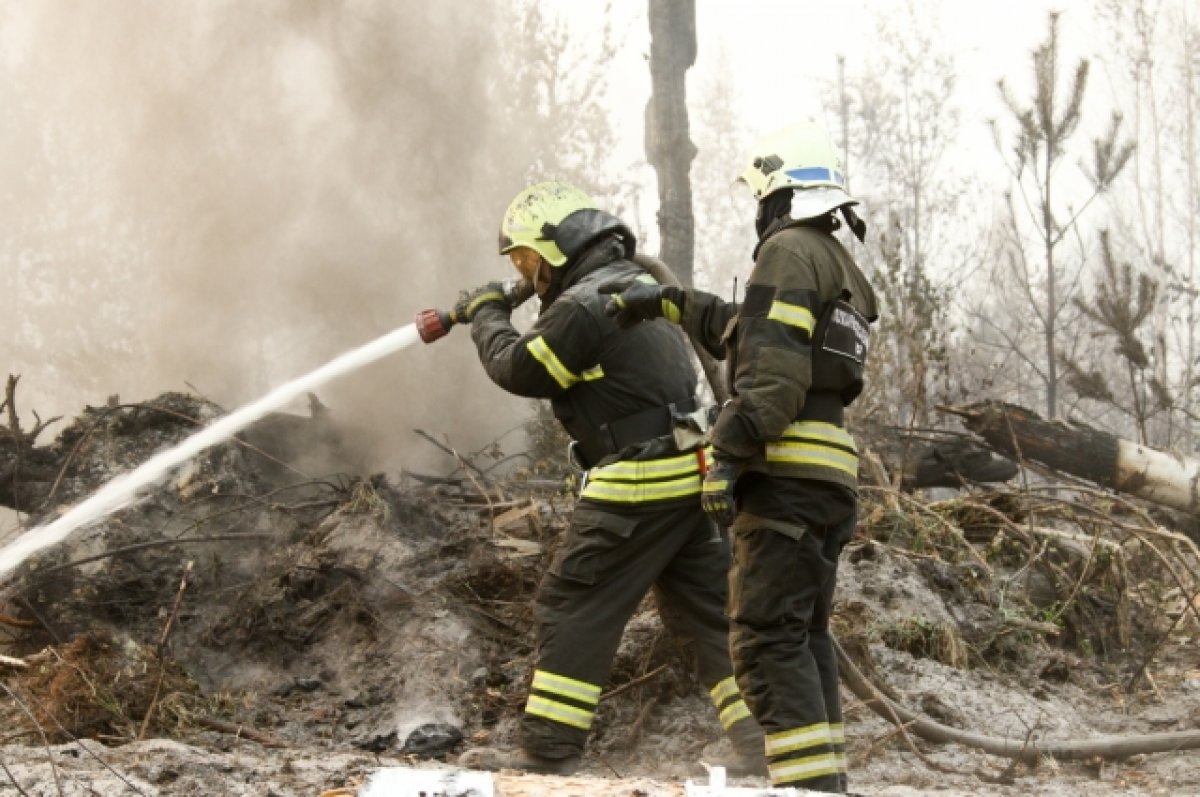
[780, 596]
[609, 559]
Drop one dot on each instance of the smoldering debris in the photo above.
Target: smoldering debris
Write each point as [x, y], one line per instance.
[268, 597]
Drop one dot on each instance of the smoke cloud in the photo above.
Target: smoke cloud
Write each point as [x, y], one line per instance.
[227, 195]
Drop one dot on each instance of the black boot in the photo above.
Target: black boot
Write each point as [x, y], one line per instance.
[494, 759]
[738, 760]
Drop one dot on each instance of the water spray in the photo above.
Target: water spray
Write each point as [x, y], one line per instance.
[122, 490]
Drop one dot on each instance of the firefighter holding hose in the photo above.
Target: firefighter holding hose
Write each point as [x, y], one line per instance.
[638, 524]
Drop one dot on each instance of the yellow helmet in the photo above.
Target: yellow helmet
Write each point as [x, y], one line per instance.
[801, 156]
[533, 218]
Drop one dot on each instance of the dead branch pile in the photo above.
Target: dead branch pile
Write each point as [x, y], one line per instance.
[98, 687]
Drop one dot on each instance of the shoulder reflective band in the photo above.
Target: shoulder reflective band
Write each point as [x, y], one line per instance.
[815, 443]
[562, 699]
[793, 315]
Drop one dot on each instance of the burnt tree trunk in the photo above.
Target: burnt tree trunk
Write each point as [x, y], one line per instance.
[1079, 450]
[953, 462]
[669, 149]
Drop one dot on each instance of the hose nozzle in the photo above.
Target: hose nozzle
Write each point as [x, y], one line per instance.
[433, 324]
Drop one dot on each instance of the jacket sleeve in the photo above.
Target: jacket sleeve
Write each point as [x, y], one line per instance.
[553, 356]
[773, 358]
[705, 318]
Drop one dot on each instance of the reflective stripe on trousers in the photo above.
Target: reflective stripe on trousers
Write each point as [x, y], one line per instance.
[728, 700]
[562, 699]
[780, 598]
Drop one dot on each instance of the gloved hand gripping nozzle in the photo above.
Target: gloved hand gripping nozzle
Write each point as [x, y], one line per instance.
[433, 324]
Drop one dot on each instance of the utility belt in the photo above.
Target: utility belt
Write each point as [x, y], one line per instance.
[630, 430]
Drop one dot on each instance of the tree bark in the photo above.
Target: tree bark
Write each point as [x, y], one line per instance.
[669, 148]
[1079, 450]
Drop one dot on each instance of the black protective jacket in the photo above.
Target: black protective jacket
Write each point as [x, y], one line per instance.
[596, 376]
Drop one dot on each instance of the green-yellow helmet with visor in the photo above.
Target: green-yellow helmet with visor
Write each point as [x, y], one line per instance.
[533, 218]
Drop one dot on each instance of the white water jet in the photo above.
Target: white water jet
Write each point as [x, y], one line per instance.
[123, 489]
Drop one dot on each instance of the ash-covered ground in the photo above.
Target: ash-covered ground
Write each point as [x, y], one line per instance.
[268, 621]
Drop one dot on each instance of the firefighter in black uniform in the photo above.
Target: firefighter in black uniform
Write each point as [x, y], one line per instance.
[785, 472]
[638, 522]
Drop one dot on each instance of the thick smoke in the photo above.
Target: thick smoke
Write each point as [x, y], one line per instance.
[227, 194]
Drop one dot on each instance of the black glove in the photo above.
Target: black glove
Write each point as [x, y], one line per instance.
[517, 291]
[632, 302]
[716, 493]
[469, 302]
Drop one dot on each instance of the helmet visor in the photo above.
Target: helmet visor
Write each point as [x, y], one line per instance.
[525, 260]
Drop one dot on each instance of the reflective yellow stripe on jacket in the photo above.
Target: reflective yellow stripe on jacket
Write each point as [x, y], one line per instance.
[565, 377]
[815, 443]
[793, 315]
[652, 480]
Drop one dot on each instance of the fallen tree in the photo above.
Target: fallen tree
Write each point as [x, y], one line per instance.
[1079, 450]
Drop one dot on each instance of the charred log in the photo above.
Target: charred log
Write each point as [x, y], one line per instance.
[937, 459]
[954, 462]
[1079, 450]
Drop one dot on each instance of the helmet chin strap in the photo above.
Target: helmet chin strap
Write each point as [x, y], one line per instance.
[856, 224]
[771, 208]
[542, 277]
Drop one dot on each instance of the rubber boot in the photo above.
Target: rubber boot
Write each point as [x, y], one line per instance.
[494, 759]
[742, 751]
